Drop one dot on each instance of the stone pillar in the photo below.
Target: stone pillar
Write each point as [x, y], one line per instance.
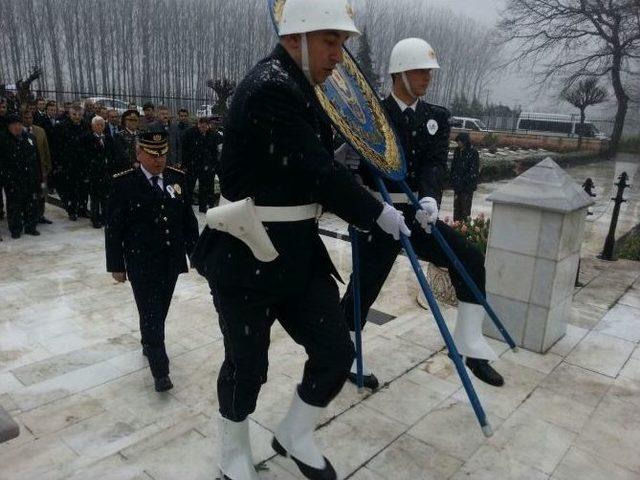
[537, 228]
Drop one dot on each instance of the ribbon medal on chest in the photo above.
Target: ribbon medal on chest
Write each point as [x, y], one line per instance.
[171, 191]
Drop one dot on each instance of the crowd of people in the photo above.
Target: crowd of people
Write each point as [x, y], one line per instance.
[73, 149]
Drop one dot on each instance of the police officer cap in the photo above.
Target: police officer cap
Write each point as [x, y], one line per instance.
[154, 142]
[13, 118]
[131, 112]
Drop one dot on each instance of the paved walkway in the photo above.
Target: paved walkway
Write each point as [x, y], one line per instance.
[73, 376]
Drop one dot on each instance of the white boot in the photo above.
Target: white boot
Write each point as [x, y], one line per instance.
[294, 438]
[234, 450]
[468, 333]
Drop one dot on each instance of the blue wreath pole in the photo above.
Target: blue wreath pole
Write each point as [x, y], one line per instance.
[442, 326]
[357, 310]
[462, 271]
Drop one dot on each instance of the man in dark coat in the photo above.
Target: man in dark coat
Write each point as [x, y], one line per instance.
[278, 154]
[150, 230]
[20, 168]
[465, 172]
[200, 160]
[99, 151]
[71, 170]
[418, 125]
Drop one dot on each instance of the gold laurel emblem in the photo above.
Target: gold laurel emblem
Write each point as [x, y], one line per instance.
[178, 189]
[157, 138]
[432, 55]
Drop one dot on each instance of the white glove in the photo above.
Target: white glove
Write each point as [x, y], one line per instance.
[428, 213]
[391, 221]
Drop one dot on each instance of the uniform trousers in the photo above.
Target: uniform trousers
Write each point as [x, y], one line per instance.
[378, 252]
[311, 316]
[22, 209]
[153, 295]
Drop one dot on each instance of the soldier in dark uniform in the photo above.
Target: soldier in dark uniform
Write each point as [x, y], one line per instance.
[72, 175]
[150, 230]
[21, 172]
[3, 131]
[465, 172]
[423, 130]
[99, 153]
[125, 140]
[200, 160]
[266, 261]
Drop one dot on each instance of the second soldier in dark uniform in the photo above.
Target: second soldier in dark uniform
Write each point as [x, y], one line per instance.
[423, 129]
[150, 230]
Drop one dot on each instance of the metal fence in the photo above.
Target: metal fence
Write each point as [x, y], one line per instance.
[549, 124]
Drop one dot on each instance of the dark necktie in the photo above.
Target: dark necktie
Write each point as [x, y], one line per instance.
[156, 185]
[410, 115]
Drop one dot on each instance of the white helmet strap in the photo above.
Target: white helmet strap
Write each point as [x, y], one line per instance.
[407, 85]
[304, 48]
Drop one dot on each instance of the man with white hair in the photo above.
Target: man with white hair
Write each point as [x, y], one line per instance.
[99, 154]
[265, 260]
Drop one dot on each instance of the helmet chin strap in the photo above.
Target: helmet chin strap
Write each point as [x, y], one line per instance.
[306, 69]
[407, 86]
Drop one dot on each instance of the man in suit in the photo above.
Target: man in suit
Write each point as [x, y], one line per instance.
[150, 230]
[423, 129]
[113, 125]
[99, 154]
[45, 161]
[266, 260]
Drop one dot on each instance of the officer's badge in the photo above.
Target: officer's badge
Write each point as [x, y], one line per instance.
[178, 189]
[431, 54]
[432, 127]
[157, 138]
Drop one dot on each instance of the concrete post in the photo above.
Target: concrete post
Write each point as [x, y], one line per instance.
[537, 228]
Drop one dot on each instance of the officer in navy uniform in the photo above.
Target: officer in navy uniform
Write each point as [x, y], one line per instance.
[423, 130]
[265, 259]
[150, 230]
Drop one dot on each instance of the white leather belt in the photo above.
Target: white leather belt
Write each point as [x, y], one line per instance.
[399, 198]
[296, 213]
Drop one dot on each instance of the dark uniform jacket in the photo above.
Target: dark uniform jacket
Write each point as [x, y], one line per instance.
[278, 150]
[149, 233]
[125, 147]
[19, 163]
[465, 170]
[200, 152]
[426, 145]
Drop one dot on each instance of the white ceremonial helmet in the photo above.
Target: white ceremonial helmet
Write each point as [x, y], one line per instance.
[412, 54]
[304, 16]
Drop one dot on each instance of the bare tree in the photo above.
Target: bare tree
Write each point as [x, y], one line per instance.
[578, 38]
[224, 88]
[583, 94]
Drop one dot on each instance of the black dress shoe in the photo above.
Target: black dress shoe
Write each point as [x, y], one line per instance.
[45, 221]
[328, 473]
[96, 224]
[15, 235]
[32, 231]
[163, 384]
[368, 381]
[73, 217]
[485, 372]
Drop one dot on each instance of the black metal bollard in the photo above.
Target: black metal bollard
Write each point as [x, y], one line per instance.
[610, 242]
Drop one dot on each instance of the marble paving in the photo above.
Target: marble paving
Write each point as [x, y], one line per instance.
[73, 377]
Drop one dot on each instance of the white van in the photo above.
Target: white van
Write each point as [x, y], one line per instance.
[468, 123]
[557, 125]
